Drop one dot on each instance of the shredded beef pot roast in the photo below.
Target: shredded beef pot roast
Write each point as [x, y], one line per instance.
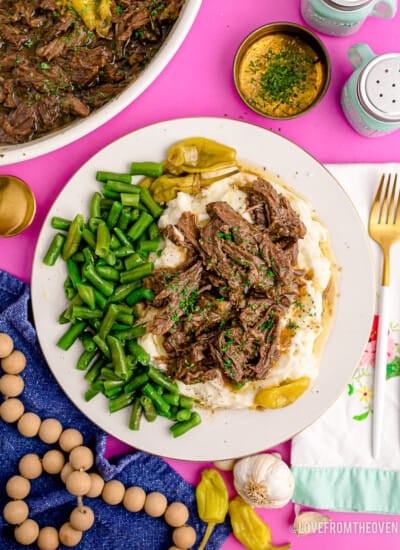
[54, 70]
[220, 310]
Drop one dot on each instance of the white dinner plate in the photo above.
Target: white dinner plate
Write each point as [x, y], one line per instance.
[16, 153]
[224, 434]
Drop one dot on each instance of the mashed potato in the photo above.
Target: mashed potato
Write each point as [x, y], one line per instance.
[305, 321]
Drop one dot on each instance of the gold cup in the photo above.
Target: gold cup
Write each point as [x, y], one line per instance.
[17, 206]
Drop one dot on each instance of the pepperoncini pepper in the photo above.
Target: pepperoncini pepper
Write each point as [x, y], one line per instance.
[277, 397]
[212, 501]
[249, 528]
[199, 154]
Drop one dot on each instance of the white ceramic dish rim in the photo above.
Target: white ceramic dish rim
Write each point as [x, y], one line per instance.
[225, 434]
[10, 154]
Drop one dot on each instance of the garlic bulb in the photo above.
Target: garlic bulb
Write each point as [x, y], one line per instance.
[263, 481]
[306, 523]
[225, 465]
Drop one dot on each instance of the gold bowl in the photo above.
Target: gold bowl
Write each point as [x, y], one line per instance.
[17, 206]
[281, 70]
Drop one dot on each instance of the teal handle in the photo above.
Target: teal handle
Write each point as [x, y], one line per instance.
[385, 9]
[359, 55]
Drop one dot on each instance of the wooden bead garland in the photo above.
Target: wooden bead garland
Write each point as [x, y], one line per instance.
[73, 471]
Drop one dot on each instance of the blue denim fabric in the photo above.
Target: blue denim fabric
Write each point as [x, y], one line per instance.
[49, 502]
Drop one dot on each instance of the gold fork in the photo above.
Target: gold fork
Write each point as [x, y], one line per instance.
[384, 228]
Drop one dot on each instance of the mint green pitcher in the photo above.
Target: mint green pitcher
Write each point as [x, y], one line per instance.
[344, 17]
[370, 98]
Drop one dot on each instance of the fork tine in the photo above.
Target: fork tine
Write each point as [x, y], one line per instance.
[392, 202]
[384, 214]
[397, 211]
[375, 209]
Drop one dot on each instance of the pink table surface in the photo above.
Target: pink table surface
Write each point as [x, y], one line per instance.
[197, 82]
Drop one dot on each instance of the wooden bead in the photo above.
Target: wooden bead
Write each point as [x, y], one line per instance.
[50, 430]
[11, 385]
[184, 537]
[176, 514]
[6, 344]
[134, 499]
[14, 363]
[30, 466]
[96, 487]
[155, 504]
[11, 410]
[78, 483]
[53, 461]
[27, 532]
[81, 458]
[82, 518]
[29, 424]
[18, 487]
[69, 536]
[48, 538]
[113, 492]
[69, 439]
[15, 512]
[66, 470]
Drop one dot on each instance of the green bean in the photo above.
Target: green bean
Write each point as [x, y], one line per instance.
[148, 246]
[78, 257]
[76, 301]
[140, 226]
[161, 380]
[69, 337]
[182, 414]
[88, 255]
[180, 428]
[93, 390]
[109, 194]
[113, 214]
[54, 250]
[105, 287]
[122, 291]
[149, 409]
[134, 332]
[124, 251]
[136, 415]
[108, 272]
[123, 239]
[89, 237]
[129, 199]
[136, 382]
[94, 370]
[110, 258]
[126, 318]
[93, 224]
[124, 219]
[141, 355]
[74, 272]
[152, 169]
[95, 205]
[82, 312]
[138, 295]
[61, 224]
[100, 300]
[86, 292]
[137, 273]
[87, 341]
[108, 320]
[69, 293]
[74, 236]
[104, 176]
[85, 359]
[118, 357]
[109, 374]
[134, 260]
[135, 214]
[154, 232]
[102, 345]
[171, 398]
[119, 326]
[103, 239]
[106, 204]
[160, 404]
[120, 402]
[185, 402]
[147, 199]
[111, 385]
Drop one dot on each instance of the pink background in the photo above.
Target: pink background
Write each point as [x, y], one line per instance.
[198, 81]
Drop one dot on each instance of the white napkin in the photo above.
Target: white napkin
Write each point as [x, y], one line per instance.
[332, 459]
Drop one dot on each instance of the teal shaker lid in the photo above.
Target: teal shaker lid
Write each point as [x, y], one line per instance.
[378, 87]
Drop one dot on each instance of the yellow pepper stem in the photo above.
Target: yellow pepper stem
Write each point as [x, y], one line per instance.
[284, 547]
[207, 535]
